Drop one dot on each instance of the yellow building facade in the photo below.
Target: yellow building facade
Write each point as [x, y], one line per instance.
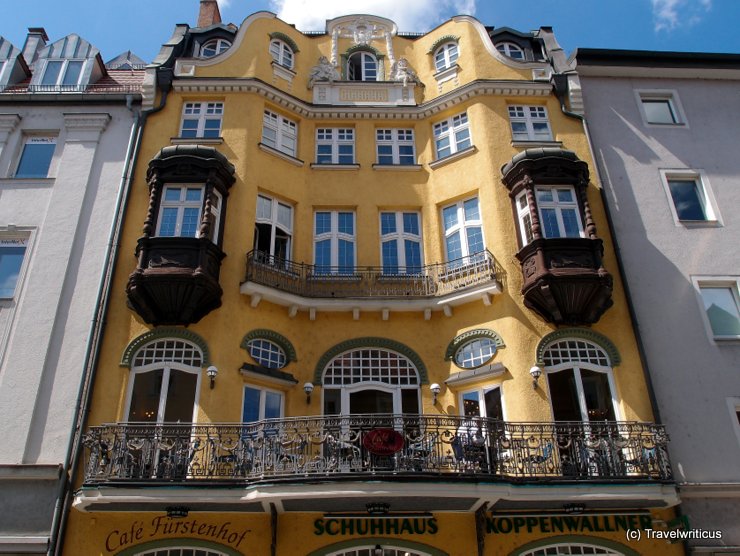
[374, 309]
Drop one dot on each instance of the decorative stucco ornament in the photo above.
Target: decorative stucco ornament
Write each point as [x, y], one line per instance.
[323, 71]
[402, 71]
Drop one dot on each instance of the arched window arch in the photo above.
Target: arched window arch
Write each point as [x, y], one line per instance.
[446, 56]
[572, 548]
[165, 377]
[362, 66]
[281, 53]
[510, 49]
[214, 47]
[580, 380]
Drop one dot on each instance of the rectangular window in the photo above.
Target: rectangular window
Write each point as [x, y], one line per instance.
[273, 229]
[66, 73]
[395, 146]
[559, 213]
[689, 195]
[36, 157]
[335, 145]
[334, 242]
[525, 218]
[261, 403]
[279, 133]
[660, 107]
[179, 211]
[722, 307]
[452, 135]
[529, 123]
[202, 119]
[12, 253]
[484, 402]
[400, 242]
[463, 231]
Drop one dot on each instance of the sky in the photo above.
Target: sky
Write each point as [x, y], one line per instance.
[141, 26]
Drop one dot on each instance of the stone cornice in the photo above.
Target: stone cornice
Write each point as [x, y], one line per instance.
[86, 122]
[8, 122]
[308, 110]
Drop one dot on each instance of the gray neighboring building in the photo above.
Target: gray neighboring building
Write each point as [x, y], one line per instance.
[665, 128]
[66, 121]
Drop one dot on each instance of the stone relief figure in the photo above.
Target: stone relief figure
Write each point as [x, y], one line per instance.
[323, 71]
[402, 71]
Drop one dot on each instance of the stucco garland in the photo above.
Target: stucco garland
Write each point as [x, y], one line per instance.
[442, 40]
[274, 337]
[160, 333]
[370, 342]
[614, 358]
[461, 339]
[286, 39]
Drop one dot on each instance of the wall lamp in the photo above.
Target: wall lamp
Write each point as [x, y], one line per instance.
[536, 373]
[436, 389]
[308, 388]
[378, 550]
[177, 512]
[212, 371]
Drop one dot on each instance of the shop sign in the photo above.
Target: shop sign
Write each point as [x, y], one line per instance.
[383, 442]
[504, 525]
[162, 526]
[370, 526]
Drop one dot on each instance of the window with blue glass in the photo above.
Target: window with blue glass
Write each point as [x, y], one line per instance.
[12, 253]
[334, 242]
[65, 73]
[452, 135]
[463, 231]
[335, 145]
[202, 119]
[400, 242]
[362, 66]
[559, 212]
[261, 403]
[395, 147]
[180, 210]
[36, 156]
[267, 353]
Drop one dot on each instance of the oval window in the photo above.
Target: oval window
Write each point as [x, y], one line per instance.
[475, 353]
[267, 353]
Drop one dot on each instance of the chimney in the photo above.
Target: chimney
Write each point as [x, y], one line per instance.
[209, 13]
[35, 41]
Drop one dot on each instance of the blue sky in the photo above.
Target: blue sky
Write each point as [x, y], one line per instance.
[143, 25]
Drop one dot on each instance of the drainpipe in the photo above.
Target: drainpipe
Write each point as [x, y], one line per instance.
[95, 336]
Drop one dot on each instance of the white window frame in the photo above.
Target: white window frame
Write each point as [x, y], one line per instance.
[284, 129]
[221, 46]
[395, 138]
[461, 227]
[507, 47]
[334, 235]
[15, 240]
[558, 206]
[215, 214]
[523, 213]
[263, 396]
[730, 282]
[400, 236]
[275, 224]
[334, 138]
[201, 112]
[362, 54]
[529, 115]
[59, 82]
[274, 349]
[181, 205]
[706, 196]
[41, 139]
[481, 391]
[482, 362]
[576, 367]
[450, 129]
[669, 96]
[446, 56]
[281, 53]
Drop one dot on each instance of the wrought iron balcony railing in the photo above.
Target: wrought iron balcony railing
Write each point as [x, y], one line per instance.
[317, 281]
[357, 446]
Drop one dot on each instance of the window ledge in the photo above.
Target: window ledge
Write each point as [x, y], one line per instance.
[659, 124]
[535, 144]
[727, 339]
[196, 140]
[27, 181]
[397, 167]
[283, 71]
[280, 154]
[453, 157]
[317, 166]
[446, 74]
[690, 224]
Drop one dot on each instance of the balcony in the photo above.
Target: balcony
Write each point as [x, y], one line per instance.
[429, 288]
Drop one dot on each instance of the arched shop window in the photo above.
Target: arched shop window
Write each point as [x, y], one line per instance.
[182, 551]
[370, 550]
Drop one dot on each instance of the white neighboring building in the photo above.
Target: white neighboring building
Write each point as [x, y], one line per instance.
[65, 125]
[664, 127]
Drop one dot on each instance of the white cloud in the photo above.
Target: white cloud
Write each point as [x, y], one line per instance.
[411, 15]
[672, 14]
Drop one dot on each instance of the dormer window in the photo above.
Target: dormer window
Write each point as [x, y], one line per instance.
[510, 49]
[214, 47]
[362, 66]
[446, 56]
[64, 73]
[281, 53]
